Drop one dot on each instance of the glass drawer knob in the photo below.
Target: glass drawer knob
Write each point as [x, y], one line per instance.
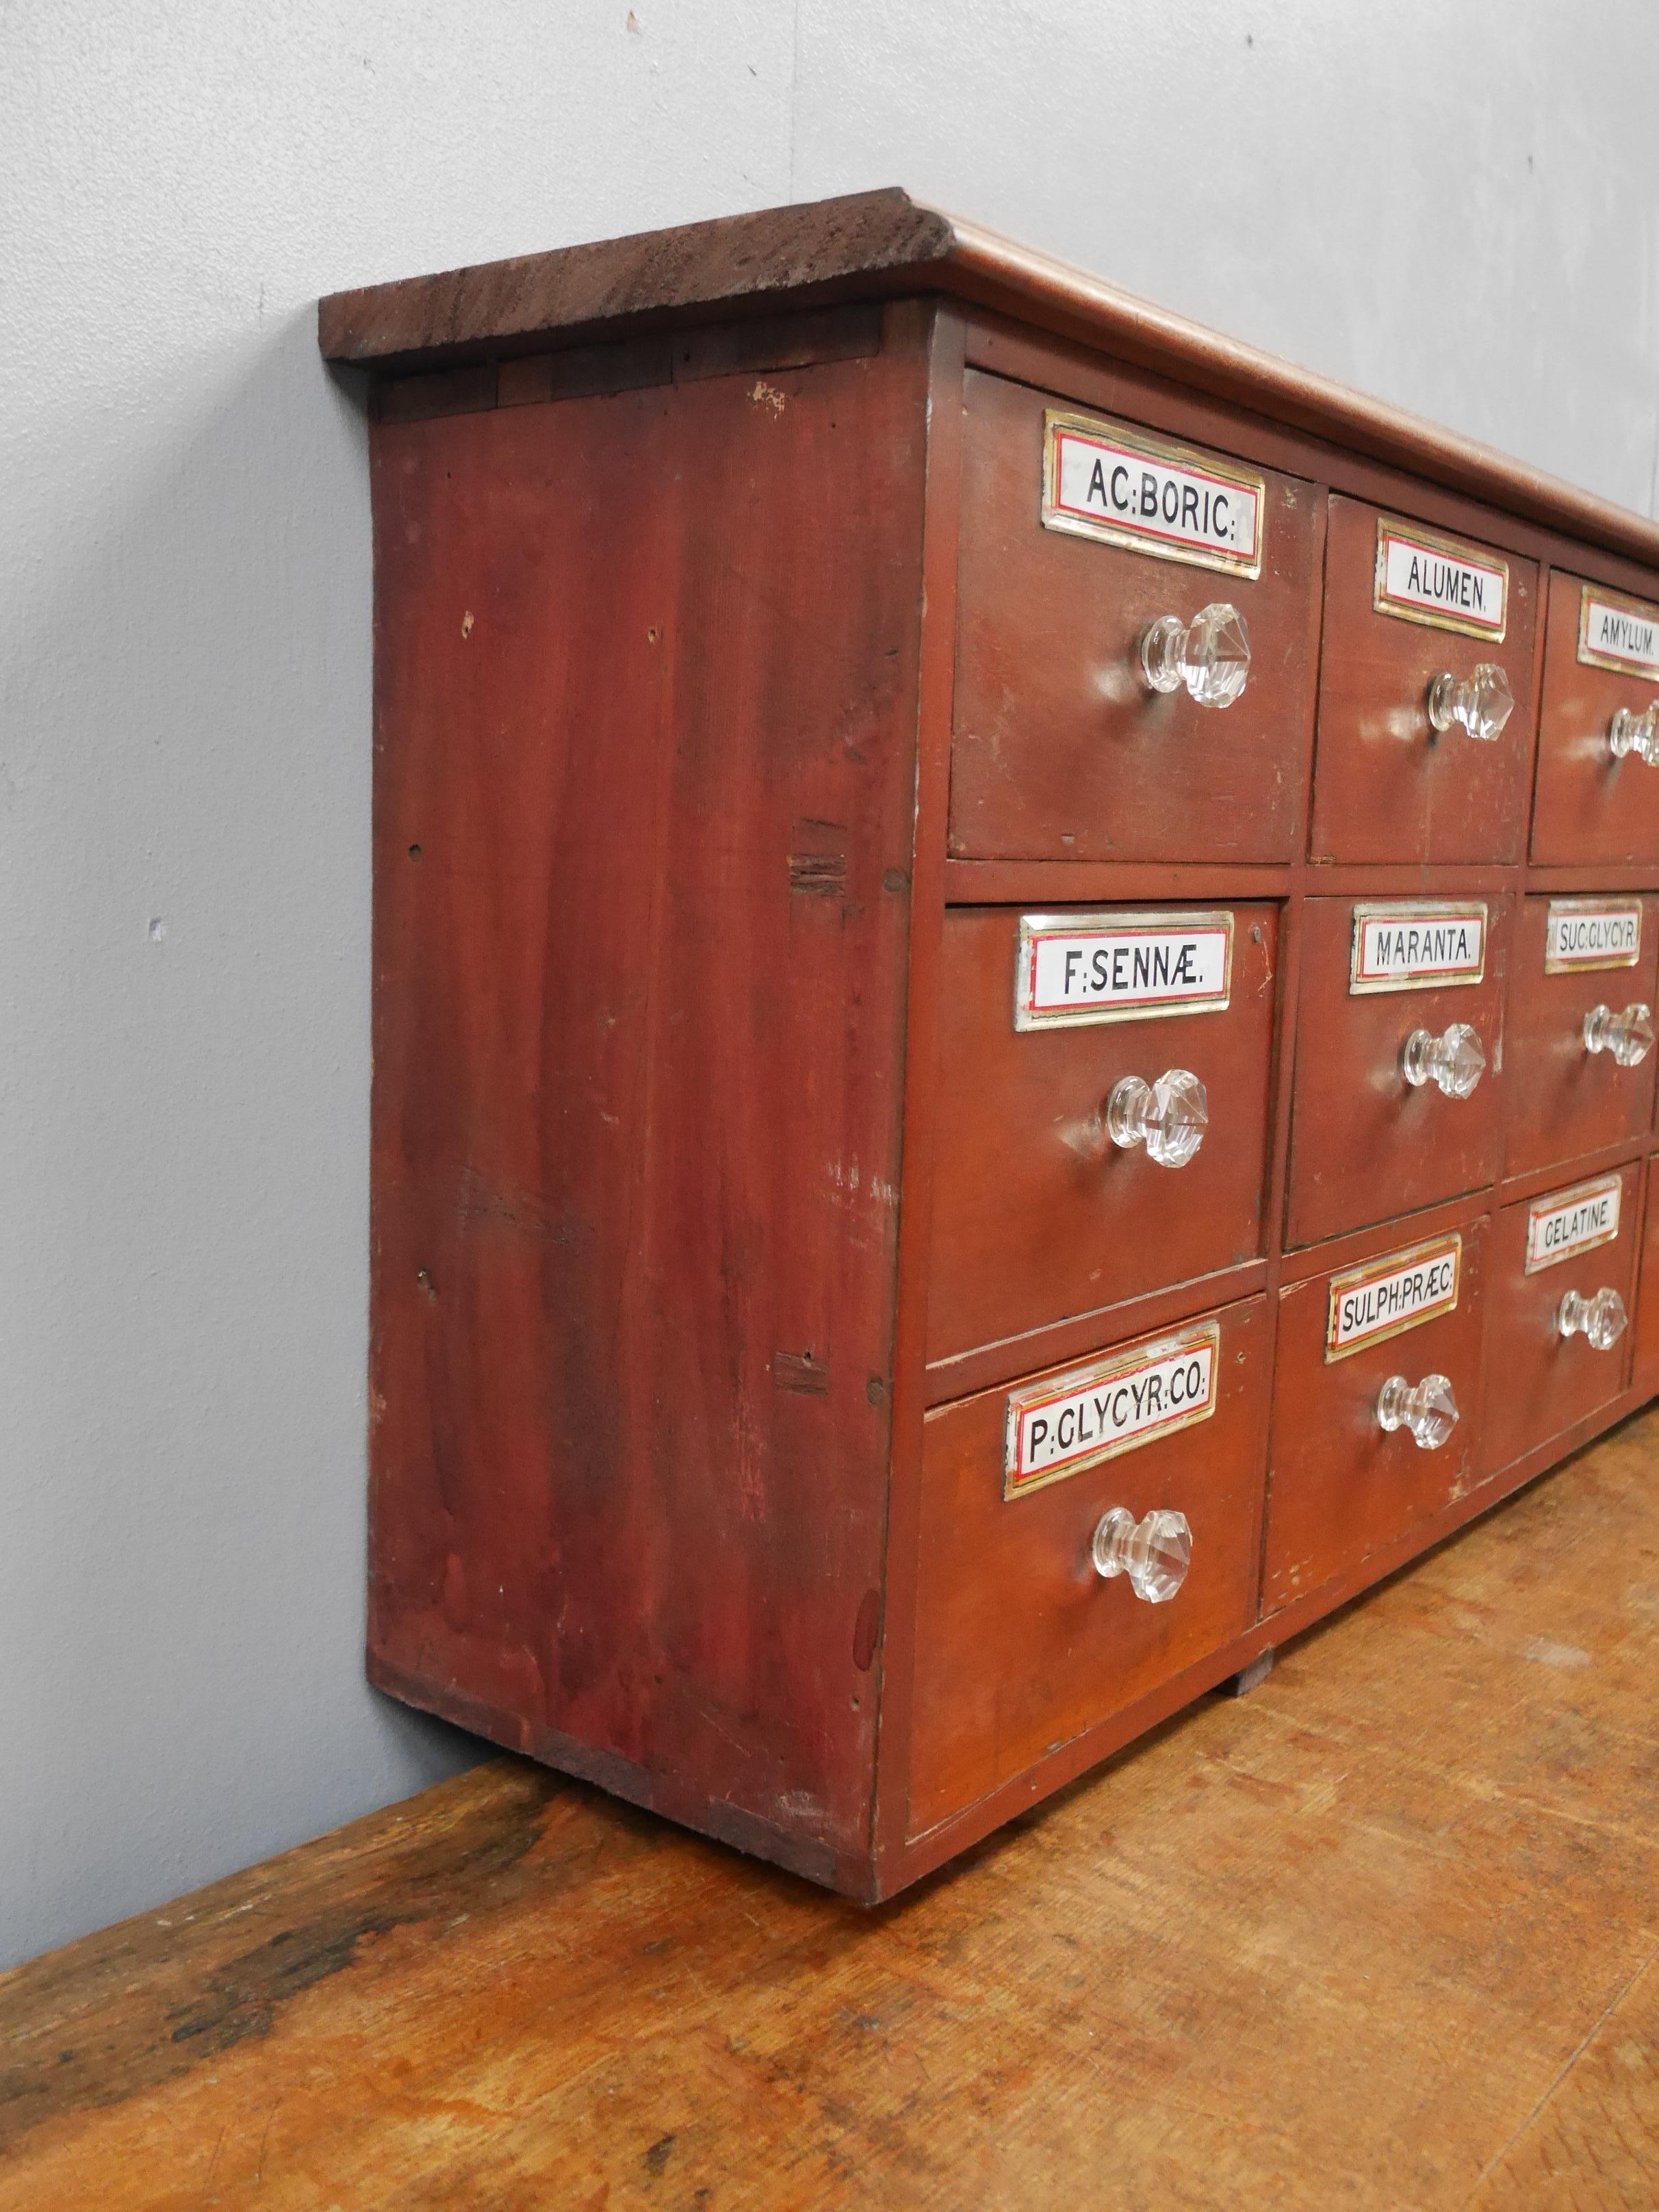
[1428, 1411]
[1155, 1553]
[1456, 1060]
[1628, 1037]
[1169, 1116]
[1480, 702]
[1601, 1319]
[1630, 732]
[1211, 655]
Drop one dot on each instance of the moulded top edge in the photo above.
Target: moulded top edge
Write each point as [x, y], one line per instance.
[883, 245]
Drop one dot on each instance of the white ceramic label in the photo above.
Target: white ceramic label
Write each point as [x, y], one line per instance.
[1436, 580]
[1100, 480]
[1408, 942]
[1120, 967]
[1091, 1414]
[1389, 1294]
[1615, 632]
[1571, 1222]
[1592, 933]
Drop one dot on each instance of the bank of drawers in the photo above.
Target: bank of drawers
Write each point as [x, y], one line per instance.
[1372, 1393]
[1062, 751]
[1398, 1384]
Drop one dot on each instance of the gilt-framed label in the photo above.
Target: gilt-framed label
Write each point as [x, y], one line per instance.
[1616, 632]
[1569, 1222]
[1075, 969]
[1385, 1296]
[1087, 1414]
[1422, 577]
[1103, 480]
[1582, 934]
[1406, 945]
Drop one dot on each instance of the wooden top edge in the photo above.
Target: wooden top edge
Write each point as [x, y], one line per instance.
[882, 243]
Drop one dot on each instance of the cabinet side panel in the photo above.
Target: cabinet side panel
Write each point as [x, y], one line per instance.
[645, 775]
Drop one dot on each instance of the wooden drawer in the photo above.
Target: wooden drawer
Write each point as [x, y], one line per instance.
[1037, 1215]
[1020, 1645]
[1645, 1363]
[1340, 1483]
[1538, 1381]
[1387, 785]
[1571, 955]
[1590, 805]
[1060, 750]
[1366, 1144]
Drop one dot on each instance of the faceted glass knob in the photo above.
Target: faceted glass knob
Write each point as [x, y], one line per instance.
[1430, 1411]
[1456, 1061]
[1630, 732]
[1628, 1037]
[1155, 1553]
[1169, 1116]
[1480, 702]
[1211, 655]
[1601, 1319]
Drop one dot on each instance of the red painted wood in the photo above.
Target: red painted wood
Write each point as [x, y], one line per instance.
[1062, 751]
[700, 1123]
[1644, 1358]
[1036, 1216]
[1015, 1657]
[1387, 786]
[1589, 806]
[645, 775]
[1564, 1101]
[1538, 1382]
[1340, 1487]
[1365, 1145]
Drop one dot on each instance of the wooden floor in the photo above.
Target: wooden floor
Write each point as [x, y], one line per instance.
[1381, 1934]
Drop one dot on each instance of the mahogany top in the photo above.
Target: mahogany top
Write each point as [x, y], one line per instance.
[882, 243]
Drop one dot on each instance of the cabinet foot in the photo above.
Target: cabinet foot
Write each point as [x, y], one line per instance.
[1248, 1678]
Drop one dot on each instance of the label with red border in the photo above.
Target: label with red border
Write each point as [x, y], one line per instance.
[1616, 632]
[1405, 944]
[1570, 1222]
[1586, 933]
[1103, 480]
[1384, 1297]
[1425, 578]
[1115, 1405]
[1079, 968]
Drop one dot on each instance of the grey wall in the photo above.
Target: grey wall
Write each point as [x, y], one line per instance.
[1456, 206]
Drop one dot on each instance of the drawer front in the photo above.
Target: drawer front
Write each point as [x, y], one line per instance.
[1366, 1144]
[1340, 1483]
[1539, 1381]
[1573, 955]
[1020, 1644]
[1387, 786]
[1592, 804]
[1644, 1365]
[1061, 751]
[1037, 1214]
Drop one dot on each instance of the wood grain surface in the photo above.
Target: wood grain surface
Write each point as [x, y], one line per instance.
[1339, 1483]
[644, 789]
[1364, 1144]
[1062, 751]
[1387, 785]
[1538, 1382]
[1344, 1942]
[1562, 1101]
[876, 245]
[1037, 1215]
[1587, 806]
